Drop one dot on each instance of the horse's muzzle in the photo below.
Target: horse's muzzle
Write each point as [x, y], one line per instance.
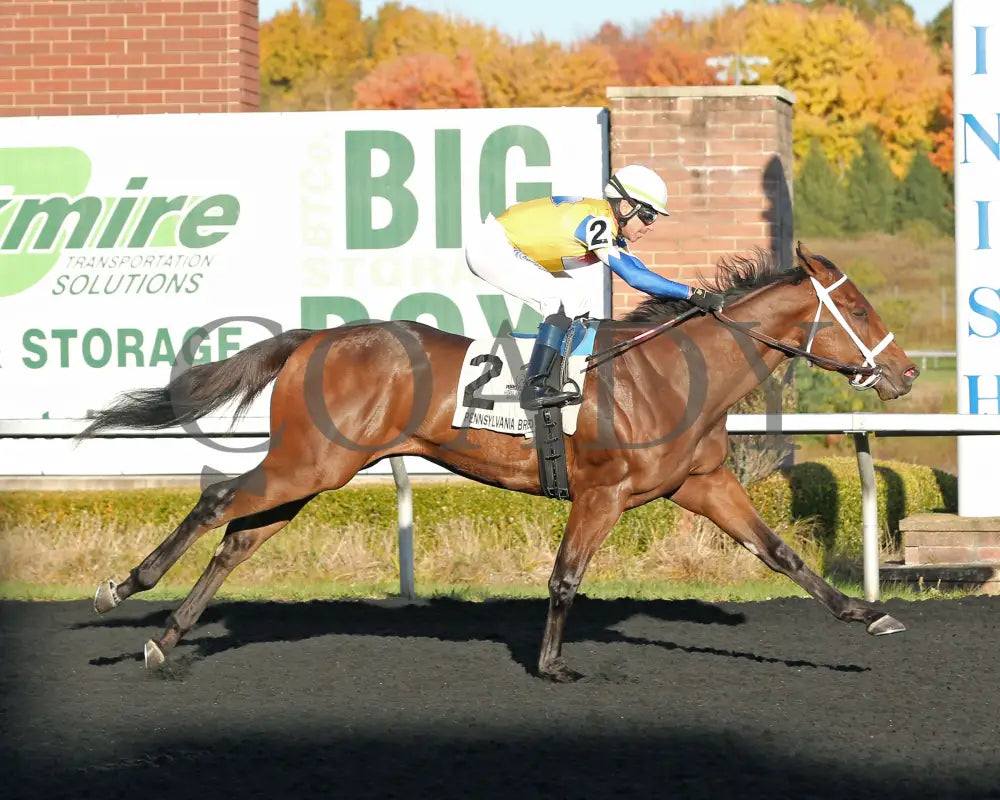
[890, 387]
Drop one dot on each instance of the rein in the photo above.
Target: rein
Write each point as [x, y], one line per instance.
[793, 351]
[621, 347]
[870, 372]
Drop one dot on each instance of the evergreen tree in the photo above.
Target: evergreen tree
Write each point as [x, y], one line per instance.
[871, 188]
[923, 194]
[939, 30]
[819, 196]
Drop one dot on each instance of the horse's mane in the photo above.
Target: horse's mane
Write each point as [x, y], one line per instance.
[737, 276]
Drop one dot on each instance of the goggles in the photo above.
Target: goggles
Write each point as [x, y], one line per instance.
[645, 213]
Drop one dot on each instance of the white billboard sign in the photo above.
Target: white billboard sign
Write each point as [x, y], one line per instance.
[122, 238]
[977, 242]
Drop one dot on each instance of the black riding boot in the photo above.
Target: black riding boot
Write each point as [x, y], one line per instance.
[537, 393]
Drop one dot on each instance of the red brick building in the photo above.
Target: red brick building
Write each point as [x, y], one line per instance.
[127, 56]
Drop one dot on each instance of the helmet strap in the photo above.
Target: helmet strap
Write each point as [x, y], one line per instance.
[622, 218]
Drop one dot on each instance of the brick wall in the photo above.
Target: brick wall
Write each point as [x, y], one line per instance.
[726, 155]
[127, 56]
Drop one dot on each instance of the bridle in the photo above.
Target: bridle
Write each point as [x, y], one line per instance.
[863, 376]
[823, 293]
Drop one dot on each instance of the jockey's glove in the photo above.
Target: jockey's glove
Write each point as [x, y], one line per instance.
[707, 301]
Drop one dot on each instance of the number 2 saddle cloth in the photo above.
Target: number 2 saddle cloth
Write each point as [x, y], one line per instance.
[488, 394]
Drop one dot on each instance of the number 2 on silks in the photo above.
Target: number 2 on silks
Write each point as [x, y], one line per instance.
[495, 366]
[597, 233]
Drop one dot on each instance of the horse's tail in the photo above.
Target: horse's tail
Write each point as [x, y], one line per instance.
[202, 389]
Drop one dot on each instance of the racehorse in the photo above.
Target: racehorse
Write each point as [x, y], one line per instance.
[652, 424]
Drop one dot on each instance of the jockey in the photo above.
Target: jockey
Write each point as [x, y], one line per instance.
[532, 248]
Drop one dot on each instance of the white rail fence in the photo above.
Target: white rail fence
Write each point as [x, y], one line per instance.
[861, 426]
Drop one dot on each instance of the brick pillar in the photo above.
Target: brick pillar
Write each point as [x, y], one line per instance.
[127, 56]
[726, 155]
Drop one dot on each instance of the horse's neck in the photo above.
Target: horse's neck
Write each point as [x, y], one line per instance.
[777, 311]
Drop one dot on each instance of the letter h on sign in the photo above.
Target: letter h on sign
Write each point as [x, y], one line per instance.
[975, 397]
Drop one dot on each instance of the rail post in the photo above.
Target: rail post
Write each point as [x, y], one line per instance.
[869, 514]
[404, 508]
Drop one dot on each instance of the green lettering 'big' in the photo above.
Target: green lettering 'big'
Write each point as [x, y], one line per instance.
[361, 187]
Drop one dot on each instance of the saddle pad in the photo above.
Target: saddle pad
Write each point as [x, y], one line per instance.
[489, 388]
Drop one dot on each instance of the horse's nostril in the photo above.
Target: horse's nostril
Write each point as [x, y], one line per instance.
[911, 374]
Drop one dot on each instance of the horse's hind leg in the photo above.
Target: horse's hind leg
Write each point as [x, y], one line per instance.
[242, 539]
[272, 483]
[720, 497]
[210, 507]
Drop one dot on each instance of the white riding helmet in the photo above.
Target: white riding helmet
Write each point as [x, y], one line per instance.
[641, 185]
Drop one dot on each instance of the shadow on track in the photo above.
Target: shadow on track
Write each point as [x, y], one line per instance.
[515, 623]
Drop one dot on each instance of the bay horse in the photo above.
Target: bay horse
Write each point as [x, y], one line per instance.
[652, 424]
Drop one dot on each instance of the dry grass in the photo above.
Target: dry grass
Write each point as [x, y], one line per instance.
[458, 553]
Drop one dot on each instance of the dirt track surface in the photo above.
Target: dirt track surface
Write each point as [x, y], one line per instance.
[385, 700]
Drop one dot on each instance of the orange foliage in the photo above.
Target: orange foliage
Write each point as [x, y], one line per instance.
[672, 52]
[943, 141]
[548, 75]
[942, 128]
[423, 80]
[630, 53]
[847, 70]
[673, 65]
[309, 61]
[904, 86]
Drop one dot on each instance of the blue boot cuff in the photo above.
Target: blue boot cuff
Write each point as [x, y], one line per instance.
[551, 336]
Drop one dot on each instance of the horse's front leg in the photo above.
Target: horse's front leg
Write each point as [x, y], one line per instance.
[720, 497]
[591, 518]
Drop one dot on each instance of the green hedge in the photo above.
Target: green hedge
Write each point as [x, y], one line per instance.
[828, 490]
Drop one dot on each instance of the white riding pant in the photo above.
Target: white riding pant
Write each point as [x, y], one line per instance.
[492, 257]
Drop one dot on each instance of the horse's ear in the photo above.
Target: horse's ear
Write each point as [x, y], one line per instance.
[809, 262]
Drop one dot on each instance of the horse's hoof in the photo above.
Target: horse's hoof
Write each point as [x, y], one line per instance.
[558, 672]
[153, 655]
[886, 624]
[106, 597]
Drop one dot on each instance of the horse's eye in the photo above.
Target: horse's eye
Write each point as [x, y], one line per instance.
[860, 313]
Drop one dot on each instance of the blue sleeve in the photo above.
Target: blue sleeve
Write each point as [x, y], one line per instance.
[637, 275]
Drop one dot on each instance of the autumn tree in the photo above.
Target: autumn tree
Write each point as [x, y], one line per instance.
[672, 64]
[631, 53]
[846, 76]
[402, 31]
[399, 31]
[283, 42]
[424, 80]
[942, 124]
[905, 85]
[868, 10]
[311, 59]
[547, 74]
